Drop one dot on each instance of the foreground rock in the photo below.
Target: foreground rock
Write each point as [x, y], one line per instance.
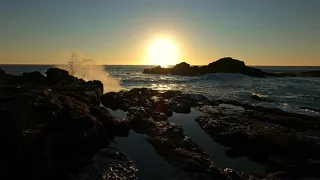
[50, 125]
[223, 65]
[172, 144]
[286, 143]
[109, 163]
[282, 141]
[153, 102]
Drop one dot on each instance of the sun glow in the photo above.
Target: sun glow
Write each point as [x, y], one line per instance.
[163, 52]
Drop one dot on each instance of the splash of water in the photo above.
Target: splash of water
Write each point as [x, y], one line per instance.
[87, 70]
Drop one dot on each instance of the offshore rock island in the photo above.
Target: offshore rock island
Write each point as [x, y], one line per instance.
[60, 127]
[223, 65]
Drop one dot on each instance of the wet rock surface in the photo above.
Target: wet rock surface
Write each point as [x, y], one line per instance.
[50, 125]
[53, 126]
[278, 139]
[109, 163]
[170, 142]
[153, 102]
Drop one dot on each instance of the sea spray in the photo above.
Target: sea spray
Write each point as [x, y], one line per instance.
[87, 70]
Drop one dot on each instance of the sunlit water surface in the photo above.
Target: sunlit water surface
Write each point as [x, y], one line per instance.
[295, 94]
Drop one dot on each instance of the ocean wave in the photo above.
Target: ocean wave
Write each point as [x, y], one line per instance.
[288, 93]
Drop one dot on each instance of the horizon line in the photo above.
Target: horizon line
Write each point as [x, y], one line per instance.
[31, 64]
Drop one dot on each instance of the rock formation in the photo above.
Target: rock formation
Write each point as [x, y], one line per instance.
[224, 65]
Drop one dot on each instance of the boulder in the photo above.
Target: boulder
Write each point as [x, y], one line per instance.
[114, 101]
[48, 125]
[184, 108]
[115, 127]
[57, 75]
[156, 70]
[230, 65]
[184, 69]
[33, 76]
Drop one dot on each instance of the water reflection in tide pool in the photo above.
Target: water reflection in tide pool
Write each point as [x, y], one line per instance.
[149, 163]
[118, 114]
[214, 149]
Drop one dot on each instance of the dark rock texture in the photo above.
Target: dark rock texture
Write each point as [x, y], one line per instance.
[310, 74]
[225, 65]
[282, 141]
[51, 126]
[173, 145]
[109, 163]
[153, 102]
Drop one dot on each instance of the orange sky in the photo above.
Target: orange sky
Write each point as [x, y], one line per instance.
[111, 32]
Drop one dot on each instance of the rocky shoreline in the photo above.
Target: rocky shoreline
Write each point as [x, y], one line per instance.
[59, 127]
[225, 65]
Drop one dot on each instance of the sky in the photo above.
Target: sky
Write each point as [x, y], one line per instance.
[259, 32]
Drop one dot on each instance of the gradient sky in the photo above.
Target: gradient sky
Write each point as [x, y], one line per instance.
[259, 32]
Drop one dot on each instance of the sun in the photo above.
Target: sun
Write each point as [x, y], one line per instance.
[163, 52]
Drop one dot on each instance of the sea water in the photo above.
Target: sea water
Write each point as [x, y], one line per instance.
[293, 94]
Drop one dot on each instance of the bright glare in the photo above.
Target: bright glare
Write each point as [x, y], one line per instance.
[163, 52]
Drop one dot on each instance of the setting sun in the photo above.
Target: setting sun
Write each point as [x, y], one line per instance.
[163, 52]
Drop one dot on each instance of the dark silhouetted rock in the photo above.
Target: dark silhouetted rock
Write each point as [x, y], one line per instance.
[114, 101]
[184, 69]
[33, 76]
[96, 83]
[57, 75]
[2, 73]
[310, 74]
[156, 70]
[294, 74]
[177, 107]
[50, 126]
[223, 65]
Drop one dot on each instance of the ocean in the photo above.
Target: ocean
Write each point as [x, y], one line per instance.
[293, 94]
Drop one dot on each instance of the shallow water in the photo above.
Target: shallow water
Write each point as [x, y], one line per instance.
[214, 149]
[136, 143]
[118, 113]
[149, 163]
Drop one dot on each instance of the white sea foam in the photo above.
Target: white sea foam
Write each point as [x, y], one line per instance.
[87, 69]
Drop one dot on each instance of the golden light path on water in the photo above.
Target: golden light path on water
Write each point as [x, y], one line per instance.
[164, 87]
